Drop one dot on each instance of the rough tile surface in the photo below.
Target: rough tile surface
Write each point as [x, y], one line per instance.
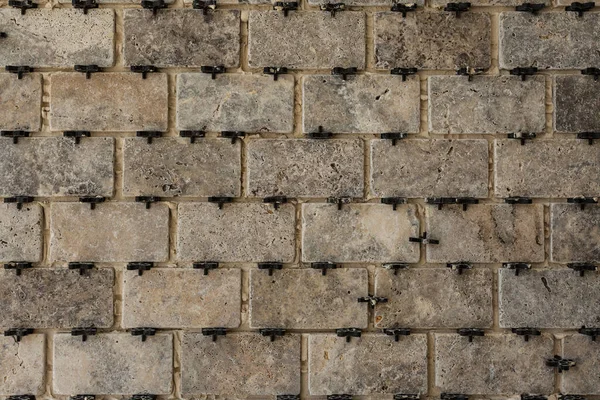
[57, 298]
[305, 168]
[370, 2]
[305, 299]
[585, 377]
[108, 102]
[486, 233]
[546, 168]
[432, 40]
[360, 104]
[57, 37]
[21, 102]
[305, 40]
[494, 104]
[115, 363]
[549, 40]
[247, 103]
[238, 232]
[576, 99]
[22, 366]
[182, 38]
[57, 167]
[174, 167]
[429, 168]
[21, 232]
[557, 298]
[167, 298]
[501, 3]
[359, 233]
[434, 298]
[494, 364]
[575, 233]
[240, 364]
[115, 236]
[371, 364]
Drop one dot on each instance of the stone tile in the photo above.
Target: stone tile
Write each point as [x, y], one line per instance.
[359, 233]
[305, 168]
[494, 364]
[501, 3]
[434, 298]
[57, 37]
[241, 232]
[558, 298]
[549, 40]
[546, 168]
[487, 104]
[429, 168]
[21, 106]
[240, 364]
[372, 364]
[583, 378]
[115, 236]
[306, 39]
[118, 102]
[182, 298]
[574, 233]
[181, 38]
[576, 100]
[112, 363]
[361, 104]
[486, 233]
[22, 366]
[370, 2]
[57, 298]
[305, 299]
[21, 233]
[248, 103]
[432, 40]
[56, 166]
[174, 167]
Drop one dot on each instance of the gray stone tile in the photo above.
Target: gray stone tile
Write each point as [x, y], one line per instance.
[434, 298]
[501, 3]
[306, 40]
[21, 107]
[22, 367]
[546, 168]
[487, 104]
[112, 363]
[181, 38]
[305, 168]
[486, 233]
[549, 40]
[494, 364]
[57, 166]
[583, 378]
[115, 236]
[117, 102]
[174, 167]
[21, 233]
[370, 2]
[558, 298]
[241, 232]
[429, 168]
[182, 298]
[432, 40]
[305, 299]
[248, 103]
[371, 364]
[57, 37]
[359, 233]
[57, 298]
[240, 364]
[574, 233]
[360, 104]
[576, 100]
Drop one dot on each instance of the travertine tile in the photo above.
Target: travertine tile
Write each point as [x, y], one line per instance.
[21, 105]
[583, 378]
[575, 233]
[22, 366]
[21, 232]
[576, 100]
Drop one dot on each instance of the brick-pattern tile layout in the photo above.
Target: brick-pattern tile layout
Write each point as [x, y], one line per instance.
[575, 100]
[21, 105]
[583, 379]
[371, 364]
[240, 364]
[575, 233]
[23, 364]
[21, 232]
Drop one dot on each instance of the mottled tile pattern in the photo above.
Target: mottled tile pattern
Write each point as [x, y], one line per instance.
[22, 366]
[21, 102]
[576, 99]
[21, 232]
[586, 353]
[575, 233]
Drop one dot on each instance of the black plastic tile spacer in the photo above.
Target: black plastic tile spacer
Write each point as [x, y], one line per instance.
[533, 8]
[143, 396]
[404, 72]
[144, 332]
[81, 266]
[270, 266]
[88, 70]
[332, 8]
[288, 397]
[18, 266]
[147, 199]
[348, 333]
[393, 201]
[143, 69]
[470, 332]
[580, 8]
[193, 135]
[339, 396]
[523, 72]
[571, 397]
[454, 396]
[320, 134]
[469, 72]
[517, 266]
[582, 268]
[92, 200]
[372, 300]
[214, 332]
[404, 9]
[206, 266]
[344, 72]
[3, 35]
[15, 135]
[397, 332]
[522, 136]
[220, 200]
[459, 266]
[595, 72]
[213, 70]
[140, 266]
[286, 7]
[591, 332]
[233, 135]
[24, 5]
[77, 135]
[323, 266]
[18, 333]
[561, 364]
[272, 332]
[526, 396]
[339, 201]
[440, 201]
[149, 135]
[518, 200]
[423, 239]
[21, 397]
[589, 136]
[276, 71]
[84, 332]
[83, 397]
[20, 200]
[395, 267]
[526, 332]
[154, 5]
[457, 8]
[393, 136]
[276, 201]
[406, 396]
[85, 5]
[204, 5]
